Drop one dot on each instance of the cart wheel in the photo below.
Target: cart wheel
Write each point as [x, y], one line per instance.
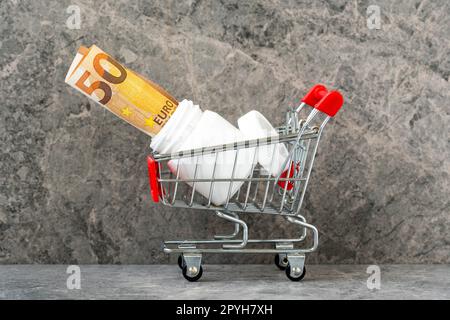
[295, 278]
[180, 261]
[194, 278]
[281, 264]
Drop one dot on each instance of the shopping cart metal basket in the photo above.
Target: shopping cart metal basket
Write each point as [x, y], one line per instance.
[259, 193]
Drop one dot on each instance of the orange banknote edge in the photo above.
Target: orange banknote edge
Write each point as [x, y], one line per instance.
[130, 96]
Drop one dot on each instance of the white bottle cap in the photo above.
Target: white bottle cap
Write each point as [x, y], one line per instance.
[177, 128]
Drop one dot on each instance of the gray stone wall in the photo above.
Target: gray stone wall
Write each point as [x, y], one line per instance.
[73, 180]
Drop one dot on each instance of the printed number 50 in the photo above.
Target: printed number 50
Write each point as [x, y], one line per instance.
[102, 85]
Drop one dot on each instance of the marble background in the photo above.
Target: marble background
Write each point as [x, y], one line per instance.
[73, 179]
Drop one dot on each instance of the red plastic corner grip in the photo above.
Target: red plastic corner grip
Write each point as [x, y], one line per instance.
[153, 174]
[328, 102]
[290, 184]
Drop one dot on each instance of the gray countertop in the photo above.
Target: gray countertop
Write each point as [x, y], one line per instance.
[223, 282]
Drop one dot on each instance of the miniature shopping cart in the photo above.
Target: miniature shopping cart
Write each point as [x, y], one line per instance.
[259, 193]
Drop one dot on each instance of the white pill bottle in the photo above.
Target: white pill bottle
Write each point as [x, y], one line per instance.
[191, 128]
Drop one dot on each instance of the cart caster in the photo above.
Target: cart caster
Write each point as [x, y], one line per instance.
[281, 261]
[295, 269]
[181, 263]
[297, 275]
[193, 274]
[191, 266]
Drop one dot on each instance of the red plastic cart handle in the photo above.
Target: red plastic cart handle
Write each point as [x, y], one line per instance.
[153, 174]
[328, 102]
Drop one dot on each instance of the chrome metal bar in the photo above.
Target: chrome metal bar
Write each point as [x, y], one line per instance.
[263, 205]
[310, 227]
[302, 164]
[162, 196]
[228, 238]
[244, 241]
[233, 146]
[238, 248]
[218, 250]
[193, 186]
[236, 197]
[303, 235]
[232, 178]
[176, 186]
[233, 206]
[235, 232]
[286, 184]
[268, 180]
[250, 181]
[225, 241]
[211, 188]
[311, 162]
[235, 180]
[300, 107]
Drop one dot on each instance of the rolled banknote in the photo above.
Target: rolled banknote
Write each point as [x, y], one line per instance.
[128, 95]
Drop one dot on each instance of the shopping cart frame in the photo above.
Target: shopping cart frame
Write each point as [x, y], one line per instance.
[303, 136]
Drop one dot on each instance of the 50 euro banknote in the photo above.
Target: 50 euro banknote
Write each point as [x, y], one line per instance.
[128, 95]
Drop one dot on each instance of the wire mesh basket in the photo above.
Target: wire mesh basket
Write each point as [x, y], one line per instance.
[259, 191]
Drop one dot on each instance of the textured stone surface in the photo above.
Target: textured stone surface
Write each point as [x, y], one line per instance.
[253, 282]
[73, 185]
